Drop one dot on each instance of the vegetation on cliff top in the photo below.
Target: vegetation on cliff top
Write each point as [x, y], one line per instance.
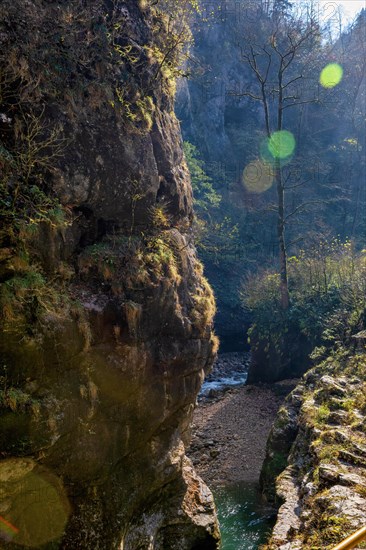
[327, 289]
[91, 56]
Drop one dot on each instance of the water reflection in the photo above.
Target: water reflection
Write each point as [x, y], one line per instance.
[245, 519]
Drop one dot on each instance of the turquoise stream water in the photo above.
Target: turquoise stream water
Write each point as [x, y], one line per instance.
[245, 520]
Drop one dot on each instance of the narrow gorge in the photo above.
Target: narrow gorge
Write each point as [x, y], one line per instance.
[182, 274]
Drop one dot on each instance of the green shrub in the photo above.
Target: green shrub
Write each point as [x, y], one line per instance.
[327, 306]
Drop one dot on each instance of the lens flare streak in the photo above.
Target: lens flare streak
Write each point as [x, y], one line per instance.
[7, 530]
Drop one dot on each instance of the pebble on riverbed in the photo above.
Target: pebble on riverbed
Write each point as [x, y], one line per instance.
[230, 429]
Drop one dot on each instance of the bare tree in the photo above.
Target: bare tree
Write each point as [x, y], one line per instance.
[277, 66]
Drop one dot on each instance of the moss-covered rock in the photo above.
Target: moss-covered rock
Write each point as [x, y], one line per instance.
[321, 491]
[106, 318]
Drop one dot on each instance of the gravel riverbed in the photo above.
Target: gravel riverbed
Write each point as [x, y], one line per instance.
[231, 427]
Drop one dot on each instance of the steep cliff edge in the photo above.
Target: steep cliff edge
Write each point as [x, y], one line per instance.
[212, 119]
[316, 457]
[106, 316]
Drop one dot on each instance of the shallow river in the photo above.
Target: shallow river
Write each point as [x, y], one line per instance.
[245, 520]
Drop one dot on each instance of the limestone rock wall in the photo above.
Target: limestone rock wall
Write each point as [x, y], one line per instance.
[315, 464]
[102, 360]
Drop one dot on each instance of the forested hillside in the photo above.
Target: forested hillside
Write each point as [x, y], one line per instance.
[246, 81]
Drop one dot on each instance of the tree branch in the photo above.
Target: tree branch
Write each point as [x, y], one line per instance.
[297, 184]
[245, 94]
[298, 208]
[300, 103]
[293, 80]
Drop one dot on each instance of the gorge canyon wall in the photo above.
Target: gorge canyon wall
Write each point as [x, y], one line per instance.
[106, 316]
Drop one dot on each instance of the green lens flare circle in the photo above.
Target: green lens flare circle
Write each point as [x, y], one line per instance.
[331, 75]
[281, 144]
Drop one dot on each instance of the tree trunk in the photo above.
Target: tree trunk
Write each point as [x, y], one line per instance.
[285, 299]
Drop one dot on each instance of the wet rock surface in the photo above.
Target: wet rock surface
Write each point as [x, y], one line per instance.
[229, 370]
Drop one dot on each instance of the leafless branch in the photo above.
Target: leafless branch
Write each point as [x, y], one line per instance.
[299, 208]
[300, 103]
[297, 185]
[245, 94]
[291, 81]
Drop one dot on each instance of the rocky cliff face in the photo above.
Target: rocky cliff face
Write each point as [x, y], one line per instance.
[214, 120]
[106, 314]
[315, 464]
